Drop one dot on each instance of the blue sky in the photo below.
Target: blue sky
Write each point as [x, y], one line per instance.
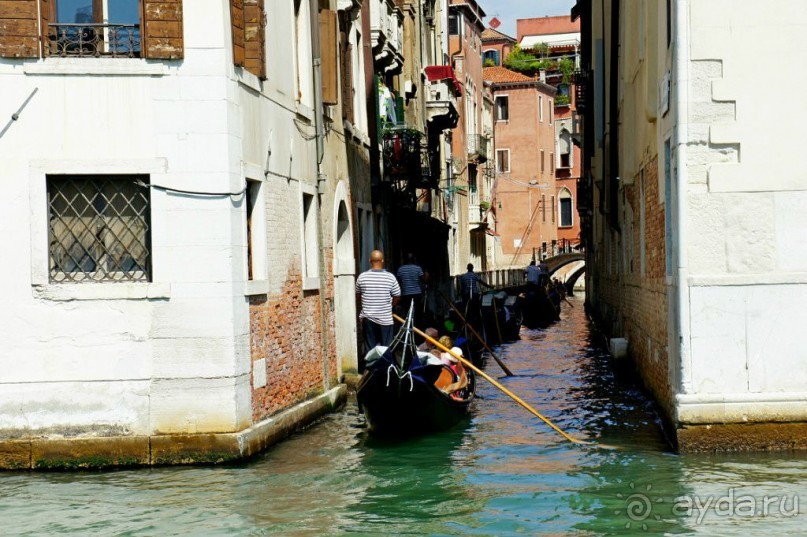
[508, 11]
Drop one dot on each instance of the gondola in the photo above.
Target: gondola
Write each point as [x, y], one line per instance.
[398, 392]
[538, 307]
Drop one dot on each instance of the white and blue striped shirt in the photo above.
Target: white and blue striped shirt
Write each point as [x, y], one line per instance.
[410, 276]
[377, 287]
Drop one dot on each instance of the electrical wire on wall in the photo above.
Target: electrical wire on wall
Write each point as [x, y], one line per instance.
[193, 192]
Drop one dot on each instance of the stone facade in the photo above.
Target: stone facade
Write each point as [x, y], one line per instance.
[712, 315]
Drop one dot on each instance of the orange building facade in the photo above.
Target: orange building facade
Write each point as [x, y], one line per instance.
[525, 193]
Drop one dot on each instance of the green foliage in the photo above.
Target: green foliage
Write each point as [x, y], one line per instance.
[561, 100]
[566, 68]
[523, 62]
[490, 62]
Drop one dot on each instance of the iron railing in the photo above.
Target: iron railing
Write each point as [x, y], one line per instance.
[99, 228]
[90, 40]
[477, 147]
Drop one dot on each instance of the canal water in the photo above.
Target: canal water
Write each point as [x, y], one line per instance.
[501, 472]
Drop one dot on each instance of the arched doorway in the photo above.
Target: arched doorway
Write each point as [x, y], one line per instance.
[344, 284]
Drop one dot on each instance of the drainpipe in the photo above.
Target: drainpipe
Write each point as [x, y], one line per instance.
[680, 66]
[319, 111]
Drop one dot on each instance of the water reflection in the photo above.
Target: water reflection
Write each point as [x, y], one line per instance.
[501, 472]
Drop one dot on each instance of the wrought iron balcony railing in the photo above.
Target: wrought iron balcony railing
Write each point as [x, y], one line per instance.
[406, 158]
[89, 40]
[477, 147]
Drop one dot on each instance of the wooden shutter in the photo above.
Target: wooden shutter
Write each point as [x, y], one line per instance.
[47, 34]
[328, 56]
[347, 79]
[237, 23]
[19, 29]
[162, 29]
[254, 24]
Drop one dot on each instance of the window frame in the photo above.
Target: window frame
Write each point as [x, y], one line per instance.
[106, 221]
[40, 283]
[256, 273]
[502, 151]
[565, 195]
[506, 100]
[309, 237]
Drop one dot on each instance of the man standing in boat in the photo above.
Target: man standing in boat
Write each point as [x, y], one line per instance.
[412, 279]
[471, 291]
[533, 274]
[379, 292]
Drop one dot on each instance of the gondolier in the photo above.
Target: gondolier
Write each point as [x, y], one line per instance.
[379, 292]
[412, 279]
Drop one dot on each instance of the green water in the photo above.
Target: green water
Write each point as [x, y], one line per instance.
[500, 473]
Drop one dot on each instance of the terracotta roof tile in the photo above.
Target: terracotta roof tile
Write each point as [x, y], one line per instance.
[490, 35]
[503, 75]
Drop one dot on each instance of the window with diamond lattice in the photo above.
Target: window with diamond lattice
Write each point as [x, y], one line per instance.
[99, 228]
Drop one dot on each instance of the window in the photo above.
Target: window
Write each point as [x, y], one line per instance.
[256, 232]
[92, 28]
[490, 57]
[553, 209]
[542, 160]
[540, 108]
[543, 211]
[303, 57]
[502, 108]
[565, 208]
[668, 207]
[565, 147]
[551, 111]
[310, 265]
[454, 22]
[669, 23]
[99, 228]
[503, 161]
[88, 28]
[248, 34]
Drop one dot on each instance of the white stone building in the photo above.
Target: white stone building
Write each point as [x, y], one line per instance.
[178, 205]
[698, 209]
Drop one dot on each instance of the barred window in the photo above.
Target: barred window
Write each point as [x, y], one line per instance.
[99, 228]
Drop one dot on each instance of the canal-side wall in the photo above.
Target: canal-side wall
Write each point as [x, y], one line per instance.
[64, 453]
[726, 221]
[642, 286]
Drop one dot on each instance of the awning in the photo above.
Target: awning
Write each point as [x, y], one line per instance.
[443, 72]
[553, 40]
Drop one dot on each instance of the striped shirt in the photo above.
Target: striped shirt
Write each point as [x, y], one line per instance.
[377, 287]
[470, 283]
[410, 276]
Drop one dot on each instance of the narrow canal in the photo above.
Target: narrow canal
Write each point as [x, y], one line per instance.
[500, 473]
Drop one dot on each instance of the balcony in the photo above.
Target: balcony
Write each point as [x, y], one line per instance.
[406, 161]
[91, 40]
[477, 148]
[441, 98]
[386, 36]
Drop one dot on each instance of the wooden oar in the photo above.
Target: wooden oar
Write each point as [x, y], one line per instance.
[475, 333]
[496, 318]
[493, 381]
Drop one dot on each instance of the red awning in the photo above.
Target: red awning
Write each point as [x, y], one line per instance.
[443, 72]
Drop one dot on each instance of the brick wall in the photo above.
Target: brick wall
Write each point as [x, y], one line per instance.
[635, 305]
